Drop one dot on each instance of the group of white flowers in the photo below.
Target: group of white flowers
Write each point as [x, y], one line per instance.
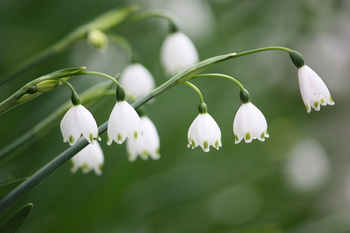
[177, 53]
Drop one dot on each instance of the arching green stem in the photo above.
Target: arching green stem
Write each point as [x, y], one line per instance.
[103, 22]
[263, 50]
[100, 74]
[152, 14]
[240, 85]
[61, 159]
[75, 96]
[196, 89]
[125, 45]
[244, 94]
[88, 98]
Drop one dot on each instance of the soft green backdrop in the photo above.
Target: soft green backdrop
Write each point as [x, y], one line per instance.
[244, 188]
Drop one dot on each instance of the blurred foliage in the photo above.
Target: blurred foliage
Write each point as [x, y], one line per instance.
[241, 188]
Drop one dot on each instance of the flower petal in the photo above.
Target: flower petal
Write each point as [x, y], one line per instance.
[148, 143]
[178, 53]
[137, 80]
[89, 158]
[249, 124]
[124, 122]
[204, 132]
[314, 91]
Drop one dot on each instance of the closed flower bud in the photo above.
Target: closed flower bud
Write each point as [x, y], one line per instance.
[98, 39]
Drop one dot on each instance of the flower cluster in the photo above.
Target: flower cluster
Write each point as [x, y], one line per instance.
[249, 123]
[125, 123]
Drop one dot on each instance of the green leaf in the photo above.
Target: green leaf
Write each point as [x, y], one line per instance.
[29, 91]
[15, 221]
[8, 187]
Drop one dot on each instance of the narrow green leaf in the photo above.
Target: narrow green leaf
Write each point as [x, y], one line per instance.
[29, 91]
[8, 187]
[16, 220]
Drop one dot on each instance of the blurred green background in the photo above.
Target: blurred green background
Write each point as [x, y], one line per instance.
[296, 181]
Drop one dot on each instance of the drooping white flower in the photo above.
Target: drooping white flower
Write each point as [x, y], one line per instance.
[204, 132]
[313, 90]
[124, 122]
[147, 145]
[178, 53]
[137, 80]
[89, 158]
[249, 123]
[78, 120]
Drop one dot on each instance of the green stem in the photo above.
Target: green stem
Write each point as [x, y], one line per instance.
[103, 22]
[52, 166]
[100, 74]
[75, 97]
[88, 98]
[154, 13]
[264, 49]
[201, 99]
[181, 77]
[125, 45]
[222, 76]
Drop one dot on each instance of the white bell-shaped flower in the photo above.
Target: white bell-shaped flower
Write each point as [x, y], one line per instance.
[78, 120]
[178, 53]
[147, 145]
[313, 90]
[204, 132]
[89, 158]
[137, 80]
[124, 122]
[249, 123]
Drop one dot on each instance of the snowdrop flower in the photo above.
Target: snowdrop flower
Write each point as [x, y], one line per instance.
[146, 145]
[249, 123]
[89, 158]
[313, 90]
[78, 120]
[178, 53]
[204, 132]
[124, 122]
[137, 80]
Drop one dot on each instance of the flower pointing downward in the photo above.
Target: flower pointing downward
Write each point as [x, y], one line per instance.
[178, 53]
[204, 132]
[124, 122]
[89, 158]
[313, 90]
[137, 80]
[78, 120]
[249, 123]
[147, 145]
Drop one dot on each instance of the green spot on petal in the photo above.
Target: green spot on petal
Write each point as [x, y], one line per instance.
[136, 134]
[322, 101]
[71, 139]
[330, 98]
[316, 104]
[91, 137]
[193, 144]
[217, 144]
[206, 145]
[120, 137]
[262, 135]
[236, 138]
[307, 108]
[247, 136]
[85, 167]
